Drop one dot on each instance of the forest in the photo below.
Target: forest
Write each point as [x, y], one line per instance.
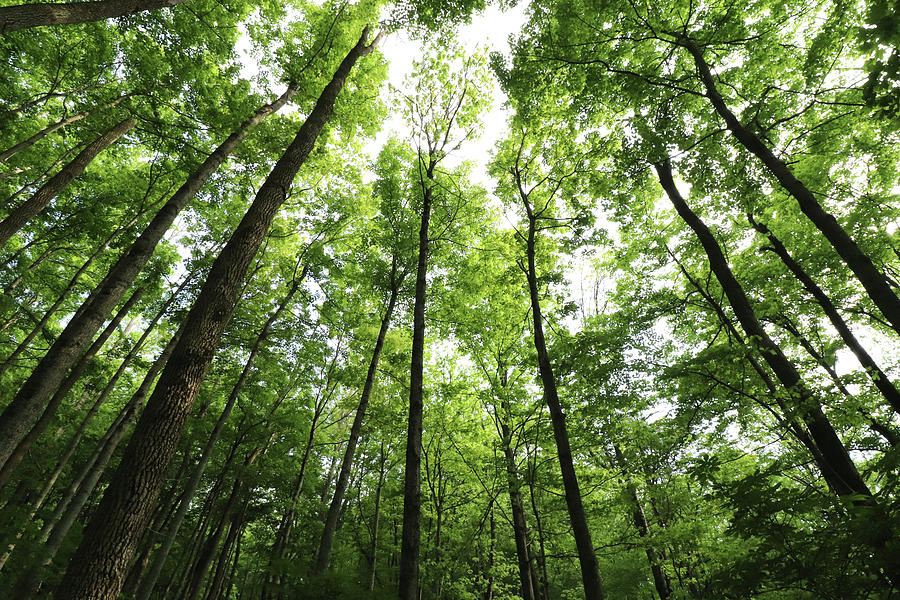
[278, 323]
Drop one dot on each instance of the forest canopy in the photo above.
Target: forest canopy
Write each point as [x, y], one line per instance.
[277, 322]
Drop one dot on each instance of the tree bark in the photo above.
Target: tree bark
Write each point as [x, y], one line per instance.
[100, 563]
[834, 461]
[159, 559]
[31, 207]
[27, 143]
[25, 16]
[331, 520]
[874, 282]
[590, 570]
[878, 377]
[412, 494]
[28, 403]
[19, 453]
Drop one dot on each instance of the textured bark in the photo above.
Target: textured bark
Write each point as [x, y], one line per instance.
[412, 495]
[331, 519]
[874, 282]
[878, 377]
[373, 546]
[590, 570]
[833, 459]
[159, 559]
[25, 16]
[23, 213]
[27, 143]
[100, 563]
[50, 411]
[28, 403]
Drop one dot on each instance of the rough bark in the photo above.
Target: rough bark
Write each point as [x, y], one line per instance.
[874, 282]
[99, 566]
[159, 559]
[878, 377]
[331, 519]
[25, 16]
[31, 207]
[28, 403]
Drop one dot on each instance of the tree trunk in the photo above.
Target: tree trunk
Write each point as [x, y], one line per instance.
[331, 520]
[878, 377]
[25, 16]
[409, 544]
[31, 207]
[590, 570]
[19, 453]
[25, 144]
[834, 461]
[660, 579]
[874, 282]
[373, 548]
[148, 583]
[100, 563]
[28, 403]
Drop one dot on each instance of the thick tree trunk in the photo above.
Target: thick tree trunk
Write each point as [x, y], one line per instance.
[100, 563]
[25, 16]
[874, 282]
[590, 570]
[159, 559]
[878, 377]
[31, 207]
[833, 459]
[412, 482]
[27, 143]
[28, 403]
[331, 520]
[19, 453]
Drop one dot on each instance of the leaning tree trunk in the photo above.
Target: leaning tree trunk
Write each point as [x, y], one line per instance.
[874, 282]
[98, 568]
[878, 377]
[28, 403]
[41, 198]
[47, 417]
[334, 509]
[590, 570]
[25, 16]
[28, 143]
[159, 559]
[833, 459]
[412, 484]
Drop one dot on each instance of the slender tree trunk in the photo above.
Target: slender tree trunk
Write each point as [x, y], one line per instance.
[489, 592]
[878, 377]
[25, 16]
[28, 403]
[19, 453]
[590, 570]
[412, 500]
[874, 282]
[100, 563]
[660, 579]
[373, 548]
[331, 520]
[520, 526]
[833, 459]
[159, 559]
[25, 144]
[31, 207]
